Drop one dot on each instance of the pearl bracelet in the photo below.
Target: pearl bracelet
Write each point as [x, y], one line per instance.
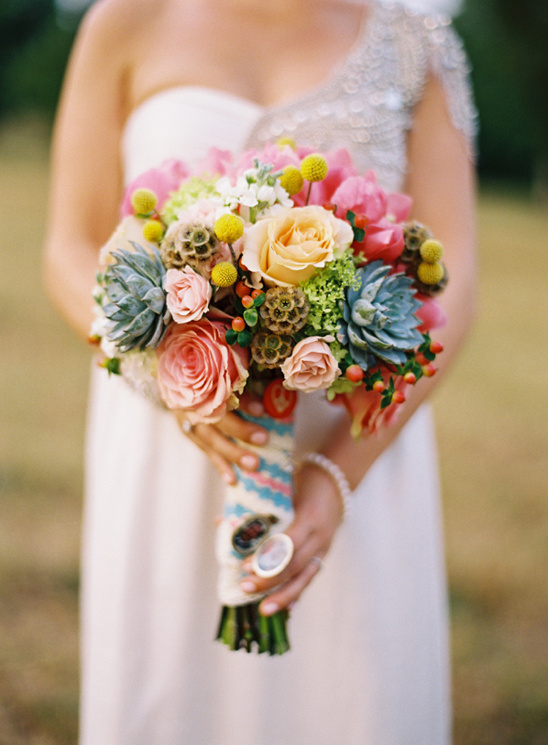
[333, 470]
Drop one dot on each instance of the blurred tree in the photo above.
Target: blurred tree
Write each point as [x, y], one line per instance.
[507, 140]
[33, 54]
[526, 23]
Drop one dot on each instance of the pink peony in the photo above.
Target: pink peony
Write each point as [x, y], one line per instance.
[188, 294]
[362, 195]
[199, 372]
[216, 163]
[431, 314]
[340, 169]
[311, 366]
[398, 206]
[383, 240]
[162, 180]
[364, 408]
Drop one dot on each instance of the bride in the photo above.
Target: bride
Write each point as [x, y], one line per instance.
[158, 79]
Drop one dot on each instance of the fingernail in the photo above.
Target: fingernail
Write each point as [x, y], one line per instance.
[247, 585]
[268, 609]
[259, 438]
[255, 408]
[249, 461]
[228, 478]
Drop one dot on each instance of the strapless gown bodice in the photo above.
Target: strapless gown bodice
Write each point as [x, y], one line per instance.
[184, 122]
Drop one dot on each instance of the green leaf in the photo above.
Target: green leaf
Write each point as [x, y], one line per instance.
[251, 317]
[359, 234]
[112, 366]
[244, 338]
[259, 300]
[231, 336]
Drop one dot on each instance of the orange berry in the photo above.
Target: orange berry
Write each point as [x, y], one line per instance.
[238, 324]
[256, 294]
[242, 289]
[354, 373]
[361, 221]
[247, 301]
[410, 378]
[436, 347]
[421, 359]
[398, 397]
[378, 386]
[429, 370]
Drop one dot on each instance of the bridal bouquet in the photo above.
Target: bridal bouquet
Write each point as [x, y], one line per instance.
[281, 272]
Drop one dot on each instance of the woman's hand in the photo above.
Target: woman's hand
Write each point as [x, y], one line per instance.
[318, 513]
[218, 440]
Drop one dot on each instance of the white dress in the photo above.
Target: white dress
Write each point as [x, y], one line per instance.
[369, 658]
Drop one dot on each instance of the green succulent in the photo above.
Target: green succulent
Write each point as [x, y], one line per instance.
[134, 300]
[379, 321]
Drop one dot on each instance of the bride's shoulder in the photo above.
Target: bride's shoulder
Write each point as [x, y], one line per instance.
[122, 20]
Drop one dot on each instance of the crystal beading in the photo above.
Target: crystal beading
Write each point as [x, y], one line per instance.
[367, 104]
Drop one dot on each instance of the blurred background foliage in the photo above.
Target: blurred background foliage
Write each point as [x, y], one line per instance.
[505, 39]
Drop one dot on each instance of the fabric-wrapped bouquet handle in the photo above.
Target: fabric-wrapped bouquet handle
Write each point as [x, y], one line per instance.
[258, 505]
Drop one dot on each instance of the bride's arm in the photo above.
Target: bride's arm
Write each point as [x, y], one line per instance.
[86, 180]
[442, 184]
[85, 192]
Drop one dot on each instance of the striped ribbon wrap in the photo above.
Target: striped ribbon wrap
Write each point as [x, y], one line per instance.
[267, 491]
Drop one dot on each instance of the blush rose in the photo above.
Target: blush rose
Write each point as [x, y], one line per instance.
[188, 294]
[198, 372]
[311, 366]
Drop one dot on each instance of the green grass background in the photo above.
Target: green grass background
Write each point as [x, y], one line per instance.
[493, 434]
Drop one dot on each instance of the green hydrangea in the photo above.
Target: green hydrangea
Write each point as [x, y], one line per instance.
[325, 294]
[192, 190]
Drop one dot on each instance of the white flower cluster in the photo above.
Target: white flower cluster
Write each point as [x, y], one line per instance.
[257, 189]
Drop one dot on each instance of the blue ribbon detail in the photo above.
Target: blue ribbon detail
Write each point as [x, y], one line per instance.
[264, 492]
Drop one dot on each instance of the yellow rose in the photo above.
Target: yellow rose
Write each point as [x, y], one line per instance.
[287, 248]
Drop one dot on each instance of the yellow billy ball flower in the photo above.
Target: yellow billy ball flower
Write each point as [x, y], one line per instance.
[430, 274]
[153, 231]
[143, 201]
[228, 228]
[314, 167]
[224, 274]
[283, 141]
[291, 180]
[431, 251]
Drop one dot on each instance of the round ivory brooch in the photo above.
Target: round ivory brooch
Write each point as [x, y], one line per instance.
[273, 555]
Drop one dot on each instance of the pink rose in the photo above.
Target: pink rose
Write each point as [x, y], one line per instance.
[362, 195]
[383, 240]
[188, 294]
[162, 180]
[199, 372]
[311, 366]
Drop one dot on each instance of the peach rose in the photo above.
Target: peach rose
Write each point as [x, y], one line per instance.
[199, 372]
[188, 294]
[287, 248]
[311, 366]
